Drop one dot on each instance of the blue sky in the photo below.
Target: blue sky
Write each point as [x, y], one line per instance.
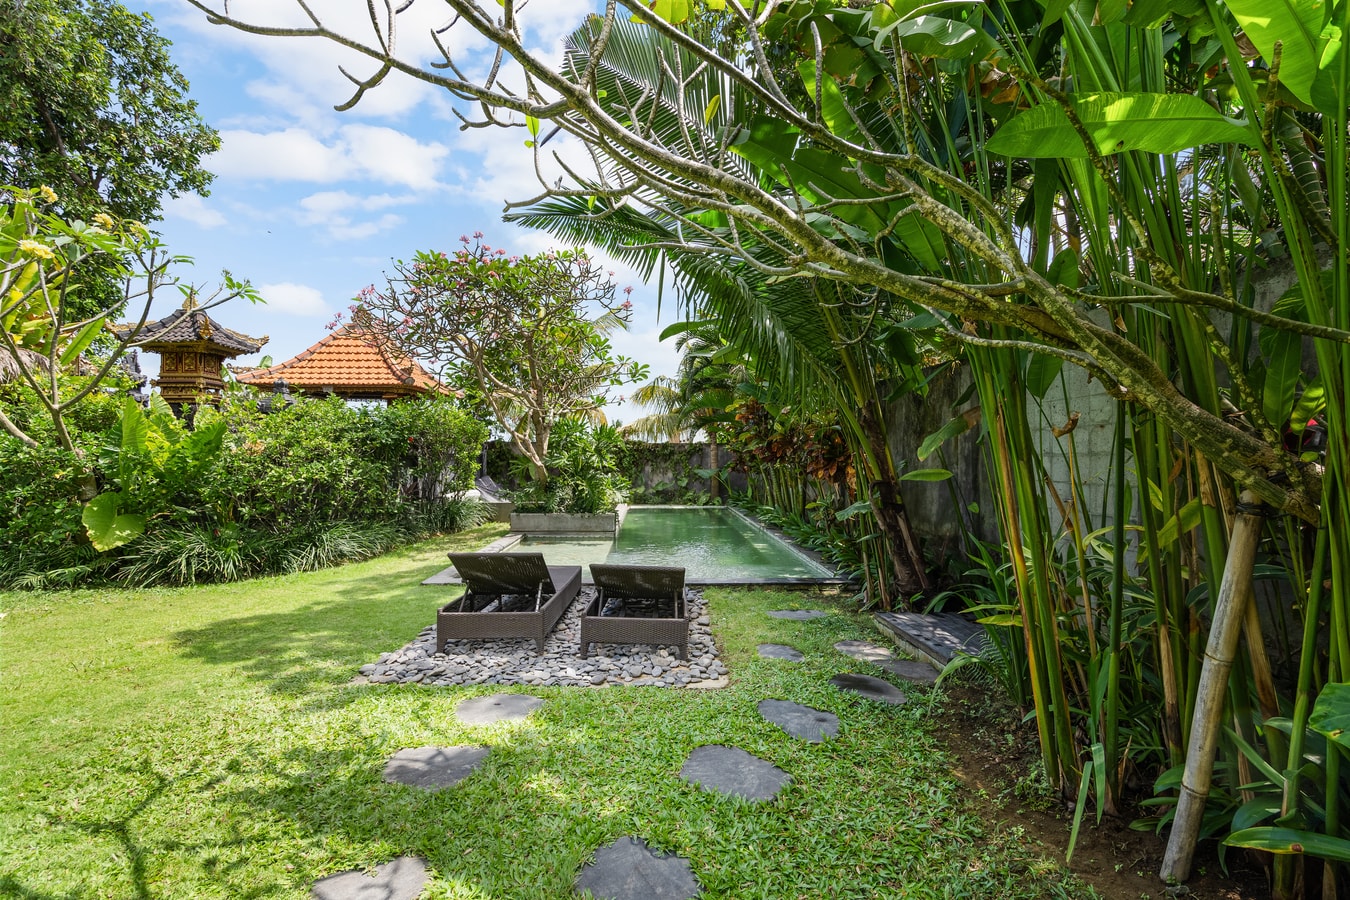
[311, 204]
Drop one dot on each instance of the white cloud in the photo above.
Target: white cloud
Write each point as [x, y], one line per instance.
[356, 151]
[338, 212]
[293, 299]
[192, 208]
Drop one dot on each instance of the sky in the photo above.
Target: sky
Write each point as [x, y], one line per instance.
[311, 205]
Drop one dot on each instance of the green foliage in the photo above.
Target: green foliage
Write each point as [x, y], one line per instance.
[583, 472]
[518, 334]
[91, 106]
[682, 483]
[237, 494]
[40, 529]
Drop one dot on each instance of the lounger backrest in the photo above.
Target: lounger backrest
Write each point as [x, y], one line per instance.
[503, 573]
[638, 582]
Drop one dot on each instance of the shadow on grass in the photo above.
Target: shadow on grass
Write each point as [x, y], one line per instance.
[471, 834]
[324, 641]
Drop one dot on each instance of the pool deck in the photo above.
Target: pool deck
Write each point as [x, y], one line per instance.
[449, 576]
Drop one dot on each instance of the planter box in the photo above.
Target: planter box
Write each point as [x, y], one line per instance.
[564, 523]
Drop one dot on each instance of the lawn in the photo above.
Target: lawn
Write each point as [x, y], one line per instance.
[207, 742]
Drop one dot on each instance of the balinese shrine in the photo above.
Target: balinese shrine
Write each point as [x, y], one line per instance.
[350, 364]
[192, 350]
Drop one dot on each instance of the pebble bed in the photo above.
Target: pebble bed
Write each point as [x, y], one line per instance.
[515, 661]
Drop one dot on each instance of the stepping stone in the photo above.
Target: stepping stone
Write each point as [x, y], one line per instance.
[869, 687]
[496, 708]
[734, 772]
[798, 615]
[433, 768]
[866, 651]
[401, 879]
[811, 725]
[629, 870]
[933, 636]
[908, 669]
[911, 670]
[780, 651]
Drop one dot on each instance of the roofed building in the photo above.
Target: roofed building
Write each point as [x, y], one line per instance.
[351, 364]
[192, 348]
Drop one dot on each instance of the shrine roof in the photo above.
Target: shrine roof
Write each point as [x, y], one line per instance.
[348, 360]
[190, 325]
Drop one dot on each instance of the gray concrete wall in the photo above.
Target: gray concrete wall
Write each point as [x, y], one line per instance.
[936, 509]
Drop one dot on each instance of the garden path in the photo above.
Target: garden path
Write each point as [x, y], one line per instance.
[627, 868]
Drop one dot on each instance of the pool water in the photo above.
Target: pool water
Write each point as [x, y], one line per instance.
[715, 545]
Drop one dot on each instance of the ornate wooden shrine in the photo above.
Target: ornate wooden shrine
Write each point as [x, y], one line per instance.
[192, 350]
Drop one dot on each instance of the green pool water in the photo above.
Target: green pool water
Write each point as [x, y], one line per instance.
[714, 544]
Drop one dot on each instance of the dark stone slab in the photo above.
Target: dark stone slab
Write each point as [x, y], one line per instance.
[780, 651]
[734, 772]
[496, 708]
[908, 669]
[433, 768]
[629, 870]
[869, 687]
[400, 879]
[911, 670]
[937, 637]
[864, 650]
[798, 615]
[811, 725]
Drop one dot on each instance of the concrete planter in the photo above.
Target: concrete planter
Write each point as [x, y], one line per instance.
[564, 523]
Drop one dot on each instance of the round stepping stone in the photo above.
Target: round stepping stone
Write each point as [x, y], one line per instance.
[865, 651]
[629, 870]
[433, 768]
[911, 670]
[811, 725]
[496, 708]
[798, 615]
[780, 651]
[734, 772]
[869, 687]
[400, 879]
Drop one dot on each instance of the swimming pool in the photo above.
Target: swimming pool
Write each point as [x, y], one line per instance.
[715, 544]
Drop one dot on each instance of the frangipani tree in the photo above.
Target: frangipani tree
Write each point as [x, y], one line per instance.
[48, 265]
[834, 187]
[1074, 182]
[525, 335]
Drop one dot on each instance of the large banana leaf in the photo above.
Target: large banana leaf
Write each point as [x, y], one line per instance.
[1309, 38]
[1117, 122]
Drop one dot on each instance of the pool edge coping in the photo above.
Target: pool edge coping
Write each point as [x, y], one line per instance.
[512, 539]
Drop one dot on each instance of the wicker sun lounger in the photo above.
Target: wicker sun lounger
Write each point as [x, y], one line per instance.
[507, 595]
[636, 605]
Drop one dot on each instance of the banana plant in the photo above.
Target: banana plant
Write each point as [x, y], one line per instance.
[157, 461]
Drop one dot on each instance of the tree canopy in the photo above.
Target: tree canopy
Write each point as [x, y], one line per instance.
[526, 336]
[92, 106]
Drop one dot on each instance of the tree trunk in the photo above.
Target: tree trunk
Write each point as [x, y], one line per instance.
[906, 558]
[1230, 612]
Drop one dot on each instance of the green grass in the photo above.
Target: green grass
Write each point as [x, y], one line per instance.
[206, 742]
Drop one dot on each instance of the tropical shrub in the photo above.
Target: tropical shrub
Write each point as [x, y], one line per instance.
[237, 493]
[583, 472]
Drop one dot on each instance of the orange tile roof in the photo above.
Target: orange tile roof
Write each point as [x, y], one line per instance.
[348, 362]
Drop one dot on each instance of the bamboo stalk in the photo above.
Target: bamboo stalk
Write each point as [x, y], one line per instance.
[1229, 614]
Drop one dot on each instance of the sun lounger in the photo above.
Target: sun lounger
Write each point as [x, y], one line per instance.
[507, 595]
[636, 605]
